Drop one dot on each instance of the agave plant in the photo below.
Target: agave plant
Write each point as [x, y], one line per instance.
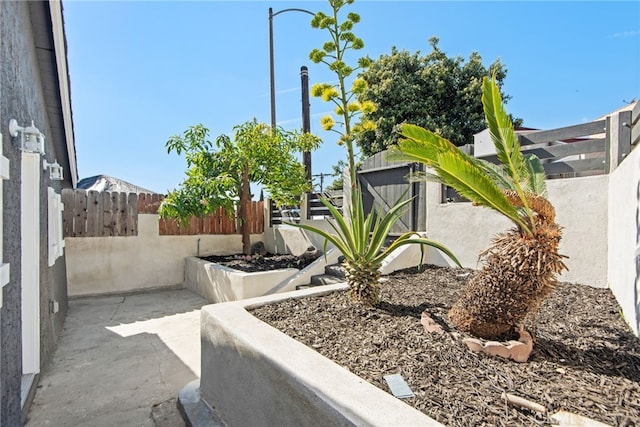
[520, 267]
[361, 241]
[359, 237]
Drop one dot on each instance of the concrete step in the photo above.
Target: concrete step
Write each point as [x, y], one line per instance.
[335, 270]
[321, 280]
[334, 273]
[325, 279]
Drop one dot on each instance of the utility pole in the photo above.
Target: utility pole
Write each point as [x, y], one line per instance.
[321, 176]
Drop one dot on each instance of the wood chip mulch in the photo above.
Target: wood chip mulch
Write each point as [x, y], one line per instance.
[256, 263]
[586, 360]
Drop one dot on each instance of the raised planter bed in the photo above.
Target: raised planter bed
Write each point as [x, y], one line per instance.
[218, 283]
[249, 364]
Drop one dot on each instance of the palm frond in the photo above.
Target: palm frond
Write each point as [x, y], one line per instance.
[384, 225]
[535, 175]
[497, 174]
[504, 140]
[332, 238]
[472, 182]
[343, 230]
[501, 131]
[419, 145]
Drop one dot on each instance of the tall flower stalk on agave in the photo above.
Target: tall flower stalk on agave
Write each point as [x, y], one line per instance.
[361, 240]
[520, 267]
[359, 237]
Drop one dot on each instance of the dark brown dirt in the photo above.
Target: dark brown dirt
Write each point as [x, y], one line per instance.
[255, 263]
[585, 360]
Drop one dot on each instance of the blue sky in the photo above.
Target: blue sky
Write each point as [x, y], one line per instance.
[142, 71]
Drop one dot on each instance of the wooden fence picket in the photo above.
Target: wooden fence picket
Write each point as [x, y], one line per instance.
[98, 214]
[131, 215]
[80, 218]
[107, 215]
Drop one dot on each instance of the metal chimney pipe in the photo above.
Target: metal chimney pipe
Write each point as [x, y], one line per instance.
[306, 117]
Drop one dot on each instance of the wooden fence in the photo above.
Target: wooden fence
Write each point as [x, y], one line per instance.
[93, 213]
[315, 208]
[103, 214]
[593, 148]
[385, 182]
[635, 124]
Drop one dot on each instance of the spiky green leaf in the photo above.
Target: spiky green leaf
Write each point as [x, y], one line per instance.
[501, 131]
[497, 174]
[408, 239]
[419, 145]
[473, 183]
[535, 175]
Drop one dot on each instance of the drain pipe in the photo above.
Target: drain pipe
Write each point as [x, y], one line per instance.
[198, 248]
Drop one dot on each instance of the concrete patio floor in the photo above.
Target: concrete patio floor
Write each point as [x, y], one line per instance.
[121, 361]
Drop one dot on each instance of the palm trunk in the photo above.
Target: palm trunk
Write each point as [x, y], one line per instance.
[519, 273]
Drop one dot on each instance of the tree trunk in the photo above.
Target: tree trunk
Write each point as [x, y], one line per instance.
[244, 213]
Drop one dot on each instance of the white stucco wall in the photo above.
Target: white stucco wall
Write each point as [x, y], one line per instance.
[624, 237]
[292, 240]
[465, 229]
[99, 265]
[482, 144]
[581, 208]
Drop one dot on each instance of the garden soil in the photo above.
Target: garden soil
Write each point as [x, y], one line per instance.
[586, 359]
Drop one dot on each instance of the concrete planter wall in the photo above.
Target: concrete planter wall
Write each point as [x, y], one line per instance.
[253, 374]
[105, 265]
[218, 283]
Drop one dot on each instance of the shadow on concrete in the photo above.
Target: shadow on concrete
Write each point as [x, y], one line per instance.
[118, 357]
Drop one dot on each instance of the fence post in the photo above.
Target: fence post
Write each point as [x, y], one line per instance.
[609, 150]
[268, 212]
[304, 206]
[618, 139]
[624, 135]
[69, 205]
[635, 124]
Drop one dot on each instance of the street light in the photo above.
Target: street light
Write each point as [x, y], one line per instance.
[273, 84]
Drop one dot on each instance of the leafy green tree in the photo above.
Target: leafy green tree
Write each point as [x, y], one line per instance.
[521, 265]
[219, 174]
[434, 91]
[359, 237]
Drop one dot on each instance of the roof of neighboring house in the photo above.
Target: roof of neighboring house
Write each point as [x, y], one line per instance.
[105, 183]
[51, 50]
[627, 107]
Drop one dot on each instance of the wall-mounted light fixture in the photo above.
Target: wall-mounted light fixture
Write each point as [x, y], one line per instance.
[55, 170]
[31, 139]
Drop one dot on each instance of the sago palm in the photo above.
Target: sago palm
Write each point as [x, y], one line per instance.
[361, 239]
[520, 267]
